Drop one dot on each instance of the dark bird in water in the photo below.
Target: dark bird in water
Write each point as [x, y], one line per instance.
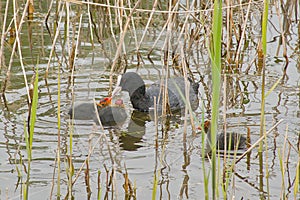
[142, 99]
[233, 140]
[109, 115]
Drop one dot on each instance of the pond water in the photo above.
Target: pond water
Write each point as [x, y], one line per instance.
[134, 147]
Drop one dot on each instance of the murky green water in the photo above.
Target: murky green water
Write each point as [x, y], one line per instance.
[177, 165]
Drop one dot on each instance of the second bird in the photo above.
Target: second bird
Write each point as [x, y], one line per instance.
[142, 99]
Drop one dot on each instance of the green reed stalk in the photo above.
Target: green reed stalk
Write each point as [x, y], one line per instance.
[215, 53]
[58, 132]
[33, 111]
[154, 187]
[155, 179]
[206, 177]
[264, 49]
[29, 137]
[72, 57]
[297, 178]
[262, 116]
[264, 26]
[282, 170]
[99, 191]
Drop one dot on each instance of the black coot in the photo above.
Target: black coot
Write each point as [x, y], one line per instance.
[234, 140]
[110, 115]
[142, 99]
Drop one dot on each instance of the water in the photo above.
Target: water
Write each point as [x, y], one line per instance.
[130, 147]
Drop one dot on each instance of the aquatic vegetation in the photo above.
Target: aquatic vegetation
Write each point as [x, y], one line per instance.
[243, 55]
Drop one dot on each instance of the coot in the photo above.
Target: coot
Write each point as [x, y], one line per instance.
[234, 140]
[110, 115]
[142, 99]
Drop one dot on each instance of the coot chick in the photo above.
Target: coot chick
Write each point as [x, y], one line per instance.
[86, 110]
[234, 140]
[142, 99]
[110, 115]
[106, 101]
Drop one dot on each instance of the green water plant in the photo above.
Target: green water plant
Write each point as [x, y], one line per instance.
[262, 56]
[29, 136]
[215, 54]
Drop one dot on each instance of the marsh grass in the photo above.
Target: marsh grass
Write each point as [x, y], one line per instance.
[262, 58]
[215, 54]
[29, 134]
[179, 31]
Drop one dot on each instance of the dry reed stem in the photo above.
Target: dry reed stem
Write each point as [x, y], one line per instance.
[229, 14]
[30, 10]
[3, 36]
[73, 68]
[187, 106]
[258, 141]
[90, 26]
[54, 42]
[282, 32]
[91, 150]
[159, 35]
[134, 30]
[258, 2]
[118, 52]
[185, 28]
[87, 172]
[225, 124]
[77, 42]
[243, 33]
[167, 49]
[53, 178]
[156, 124]
[48, 15]
[188, 109]
[58, 132]
[119, 16]
[18, 28]
[67, 5]
[165, 100]
[97, 115]
[111, 24]
[282, 157]
[148, 23]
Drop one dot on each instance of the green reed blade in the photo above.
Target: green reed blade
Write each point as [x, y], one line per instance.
[215, 53]
[34, 104]
[264, 26]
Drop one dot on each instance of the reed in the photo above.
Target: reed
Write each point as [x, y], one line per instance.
[203, 156]
[262, 58]
[2, 61]
[29, 136]
[58, 156]
[215, 54]
[154, 186]
[99, 189]
[297, 177]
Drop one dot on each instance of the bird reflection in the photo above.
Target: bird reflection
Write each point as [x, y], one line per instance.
[136, 130]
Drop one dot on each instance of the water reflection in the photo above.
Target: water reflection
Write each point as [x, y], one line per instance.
[135, 131]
